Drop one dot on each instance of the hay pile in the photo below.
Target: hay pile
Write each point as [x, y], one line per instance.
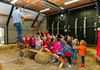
[0, 66]
[91, 52]
[43, 57]
[97, 61]
[6, 47]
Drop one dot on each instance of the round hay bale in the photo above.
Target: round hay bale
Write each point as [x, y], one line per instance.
[43, 57]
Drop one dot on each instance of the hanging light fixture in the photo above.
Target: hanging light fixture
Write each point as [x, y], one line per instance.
[44, 10]
[71, 1]
[62, 15]
[13, 1]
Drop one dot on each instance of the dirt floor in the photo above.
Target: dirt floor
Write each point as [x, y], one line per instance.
[9, 61]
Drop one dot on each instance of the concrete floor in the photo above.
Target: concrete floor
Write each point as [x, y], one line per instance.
[9, 61]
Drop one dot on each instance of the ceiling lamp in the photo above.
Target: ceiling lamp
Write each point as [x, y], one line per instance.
[62, 15]
[45, 10]
[70, 2]
[61, 8]
[13, 1]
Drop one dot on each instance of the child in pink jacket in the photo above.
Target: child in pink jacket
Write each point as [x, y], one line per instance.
[57, 48]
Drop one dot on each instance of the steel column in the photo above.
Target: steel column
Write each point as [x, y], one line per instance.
[11, 11]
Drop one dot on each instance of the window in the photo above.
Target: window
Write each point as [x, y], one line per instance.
[1, 36]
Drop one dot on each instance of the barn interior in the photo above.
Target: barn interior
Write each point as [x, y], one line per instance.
[65, 17]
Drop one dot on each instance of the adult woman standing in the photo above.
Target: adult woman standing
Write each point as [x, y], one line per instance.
[98, 47]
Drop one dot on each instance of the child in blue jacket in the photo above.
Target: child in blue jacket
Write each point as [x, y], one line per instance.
[68, 52]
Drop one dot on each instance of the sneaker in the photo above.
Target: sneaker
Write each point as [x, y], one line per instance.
[53, 61]
[69, 66]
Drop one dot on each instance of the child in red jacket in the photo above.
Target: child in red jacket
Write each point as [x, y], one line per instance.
[22, 44]
[28, 40]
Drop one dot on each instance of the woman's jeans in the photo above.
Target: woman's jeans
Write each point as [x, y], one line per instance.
[19, 30]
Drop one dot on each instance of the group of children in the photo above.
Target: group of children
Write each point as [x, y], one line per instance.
[66, 47]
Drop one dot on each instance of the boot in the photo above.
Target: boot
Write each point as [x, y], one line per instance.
[81, 65]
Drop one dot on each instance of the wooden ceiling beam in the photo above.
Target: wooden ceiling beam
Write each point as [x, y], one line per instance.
[39, 5]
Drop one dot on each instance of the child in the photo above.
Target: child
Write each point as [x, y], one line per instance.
[46, 33]
[38, 43]
[75, 44]
[22, 43]
[51, 43]
[45, 44]
[62, 42]
[82, 52]
[32, 42]
[28, 40]
[68, 52]
[57, 49]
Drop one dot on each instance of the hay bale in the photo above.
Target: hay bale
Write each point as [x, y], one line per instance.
[9, 46]
[43, 57]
